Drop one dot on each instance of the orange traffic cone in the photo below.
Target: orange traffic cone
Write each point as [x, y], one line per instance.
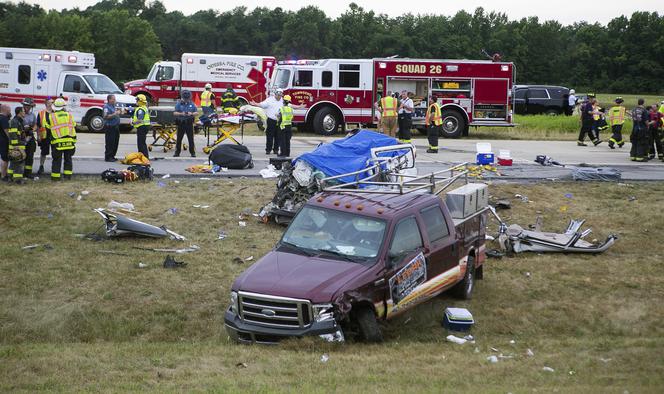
[197, 100]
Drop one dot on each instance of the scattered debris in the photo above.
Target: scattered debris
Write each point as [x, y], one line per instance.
[527, 274]
[166, 176]
[569, 195]
[242, 223]
[170, 262]
[492, 359]
[142, 265]
[547, 161]
[503, 204]
[548, 369]
[495, 254]
[201, 206]
[269, 172]
[324, 358]
[113, 252]
[222, 235]
[631, 198]
[530, 353]
[596, 174]
[35, 246]
[238, 260]
[249, 258]
[334, 337]
[512, 342]
[493, 349]
[457, 319]
[503, 357]
[120, 225]
[192, 248]
[522, 197]
[173, 211]
[605, 360]
[407, 321]
[241, 365]
[161, 184]
[455, 339]
[125, 206]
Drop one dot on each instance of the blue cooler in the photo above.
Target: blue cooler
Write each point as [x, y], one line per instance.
[485, 158]
[458, 319]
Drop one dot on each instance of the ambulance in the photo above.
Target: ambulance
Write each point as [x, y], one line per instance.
[43, 73]
[337, 92]
[248, 75]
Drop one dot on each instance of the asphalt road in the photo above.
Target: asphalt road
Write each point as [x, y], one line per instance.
[90, 148]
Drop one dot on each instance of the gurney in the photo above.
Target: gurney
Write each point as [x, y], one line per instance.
[165, 136]
[226, 124]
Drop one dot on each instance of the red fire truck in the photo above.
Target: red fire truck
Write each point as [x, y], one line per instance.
[344, 91]
[249, 76]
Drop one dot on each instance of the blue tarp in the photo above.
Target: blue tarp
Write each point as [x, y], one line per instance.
[347, 154]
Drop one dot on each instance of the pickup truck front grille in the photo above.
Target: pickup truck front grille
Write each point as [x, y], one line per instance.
[273, 311]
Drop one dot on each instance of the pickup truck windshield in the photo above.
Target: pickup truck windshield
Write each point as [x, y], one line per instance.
[328, 232]
[101, 84]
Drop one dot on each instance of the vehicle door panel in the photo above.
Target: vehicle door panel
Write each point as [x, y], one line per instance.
[440, 241]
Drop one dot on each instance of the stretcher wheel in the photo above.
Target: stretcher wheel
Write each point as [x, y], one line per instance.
[150, 147]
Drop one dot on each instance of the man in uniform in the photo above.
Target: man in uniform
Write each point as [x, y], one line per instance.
[62, 135]
[616, 121]
[639, 136]
[17, 142]
[654, 133]
[388, 119]
[5, 114]
[272, 106]
[285, 121]
[405, 118]
[30, 126]
[229, 99]
[587, 122]
[207, 100]
[111, 128]
[42, 121]
[433, 121]
[185, 110]
[141, 121]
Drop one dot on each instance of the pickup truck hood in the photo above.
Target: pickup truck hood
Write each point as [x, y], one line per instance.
[297, 276]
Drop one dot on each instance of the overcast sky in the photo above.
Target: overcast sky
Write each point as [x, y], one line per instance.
[566, 12]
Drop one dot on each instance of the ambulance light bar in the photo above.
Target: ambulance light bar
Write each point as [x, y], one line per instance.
[301, 62]
[45, 58]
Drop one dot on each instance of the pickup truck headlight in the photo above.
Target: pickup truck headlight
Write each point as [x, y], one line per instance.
[323, 312]
[234, 307]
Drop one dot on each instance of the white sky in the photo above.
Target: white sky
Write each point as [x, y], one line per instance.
[566, 12]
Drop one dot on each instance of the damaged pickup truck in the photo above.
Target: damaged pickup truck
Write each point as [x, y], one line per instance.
[353, 258]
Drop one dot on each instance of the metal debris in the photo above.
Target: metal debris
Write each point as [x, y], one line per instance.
[117, 225]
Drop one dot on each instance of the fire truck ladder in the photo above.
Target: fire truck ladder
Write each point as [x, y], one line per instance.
[372, 179]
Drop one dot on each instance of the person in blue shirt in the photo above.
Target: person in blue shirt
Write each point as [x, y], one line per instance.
[111, 128]
[185, 110]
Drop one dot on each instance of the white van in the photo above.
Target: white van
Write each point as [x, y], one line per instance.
[43, 73]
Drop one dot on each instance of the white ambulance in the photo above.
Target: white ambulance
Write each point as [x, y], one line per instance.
[43, 73]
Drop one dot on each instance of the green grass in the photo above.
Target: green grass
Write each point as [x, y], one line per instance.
[73, 318]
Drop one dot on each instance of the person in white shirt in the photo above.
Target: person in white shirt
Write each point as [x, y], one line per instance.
[405, 118]
[571, 103]
[271, 105]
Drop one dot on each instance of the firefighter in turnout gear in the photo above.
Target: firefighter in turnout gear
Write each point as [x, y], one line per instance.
[433, 122]
[229, 100]
[207, 100]
[61, 131]
[639, 136]
[29, 126]
[285, 121]
[17, 143]
[588, 121]
[43, 117]
[141, 121]
[616, 121]
[388, 118]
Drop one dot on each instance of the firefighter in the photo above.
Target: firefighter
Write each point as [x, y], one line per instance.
[587, 122]
[654, 133]
[388, 118]
[285, 121]
[616, 121]
[639, 136]
[599, 121]
[185, 110]
[30, 126]
[433, 121]
[405, 118]
[5, 114]
[44, 144]
[17, 143]
[229, 99]
[61, 132]
[141, 121]
[207, 100]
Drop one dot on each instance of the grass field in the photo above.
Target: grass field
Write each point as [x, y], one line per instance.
[82, 317]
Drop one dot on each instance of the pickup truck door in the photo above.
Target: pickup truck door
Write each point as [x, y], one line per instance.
[441, 242]
[405, 266]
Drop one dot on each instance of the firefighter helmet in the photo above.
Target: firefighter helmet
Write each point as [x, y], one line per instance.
[287, 98]
[208, 86]
[141, 98]
[59, 104]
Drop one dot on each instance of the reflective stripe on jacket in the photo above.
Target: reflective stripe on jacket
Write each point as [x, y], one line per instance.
[389, 105]
[62, 130]
[286, 116]
[141, 122]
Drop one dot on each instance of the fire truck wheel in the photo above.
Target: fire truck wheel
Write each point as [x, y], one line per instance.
[326, 121]
[464, 289]
[369, 328]
[95, 122]
[453, 124]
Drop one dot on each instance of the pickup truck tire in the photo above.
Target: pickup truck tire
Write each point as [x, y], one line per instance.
[464, 289]
[369, 329]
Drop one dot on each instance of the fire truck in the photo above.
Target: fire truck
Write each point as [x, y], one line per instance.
[43, 73]
[249, 76]
[338, 92]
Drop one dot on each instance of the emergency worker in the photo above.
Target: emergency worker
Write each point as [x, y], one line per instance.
[271, 105]
[388, 107]
[285, 121]
[30, 127]
[229, 99]
[185, 110]
[616, 121]
[5, 114]
[406, 108]
[433, 121]
[587, 122]
[141, 121]
[17, 142]
[639, 136]
[61, 131]
[654, 133]
[43, 118]
[111, 116]
[207, 100]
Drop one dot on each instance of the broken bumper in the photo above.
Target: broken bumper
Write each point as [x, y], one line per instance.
[251, 333]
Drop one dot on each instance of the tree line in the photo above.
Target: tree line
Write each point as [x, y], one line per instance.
[128, 36]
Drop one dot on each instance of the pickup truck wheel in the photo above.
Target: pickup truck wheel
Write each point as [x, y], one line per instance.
[464, 289]
[369, 329]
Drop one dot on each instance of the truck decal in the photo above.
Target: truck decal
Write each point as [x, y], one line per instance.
[408, 278]
[425, 290]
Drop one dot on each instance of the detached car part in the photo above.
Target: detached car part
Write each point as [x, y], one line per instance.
[117, 225]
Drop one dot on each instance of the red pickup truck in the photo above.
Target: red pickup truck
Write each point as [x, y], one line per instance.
[349, 260]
